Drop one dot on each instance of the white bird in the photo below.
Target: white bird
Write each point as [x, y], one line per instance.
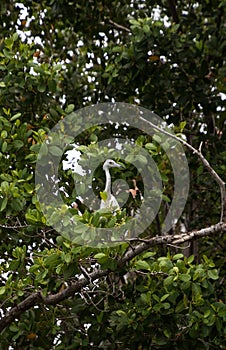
[110, 202]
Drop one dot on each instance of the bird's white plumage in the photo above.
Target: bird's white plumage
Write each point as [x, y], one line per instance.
[110, 201]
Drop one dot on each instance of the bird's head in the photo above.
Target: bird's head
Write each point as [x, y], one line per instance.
[109, 163]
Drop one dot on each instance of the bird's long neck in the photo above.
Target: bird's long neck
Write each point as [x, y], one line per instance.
[108, 181]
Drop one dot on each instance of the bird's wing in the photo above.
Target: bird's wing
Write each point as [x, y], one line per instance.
[110, 203]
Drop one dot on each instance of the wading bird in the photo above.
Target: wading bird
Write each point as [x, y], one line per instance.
[110, 201]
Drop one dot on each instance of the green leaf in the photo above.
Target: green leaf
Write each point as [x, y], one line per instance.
[40, 278]
[57, 67]
[199, 273]
[197, 293]
[4, 134]
[34, 268]
[220, 308]
[20, 293]
[157, 138]
[13, 328]
[14, 264]
[103, 195]
[67, 258]
[148, 255]
[53, 113]
[2, 290]
[167, 333]
[190, 259]
[69, 108]
[14, 117]
[168, 281]
[6, 111]
[165, 198]
[184, 277]
[208, 261]
[178, 256]
[180, 307]
[43, 150]
[52, 260]
[31, 218]
[15, 36]
[121, 313]
[141, 159]
[18, 144]
[103, 259]
[29, 188]
[56, 151]
[146, 29]
[6, 177]
[9, 43]
[52, 85]
[130, 158]
[151, 146]
[4, 204]
[38, 69]
[110, 264]
[164, 297]
[100, 256]
[42, 87]
[4, 146]
[142, 265]
[182, 125]
[213, 274]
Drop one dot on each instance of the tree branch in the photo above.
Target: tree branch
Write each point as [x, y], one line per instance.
[38, 298]
[119, 26]
[173, 10]
[204, 161]
[171, 239]
[52, 299]
[16, 311]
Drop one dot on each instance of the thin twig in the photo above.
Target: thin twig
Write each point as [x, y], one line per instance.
[15, 227]
[179, 247]
[200, 146]
[47, 241]
[118, 26]
[85, 273]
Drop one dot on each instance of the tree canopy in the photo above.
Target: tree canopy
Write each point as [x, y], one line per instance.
[155, 291]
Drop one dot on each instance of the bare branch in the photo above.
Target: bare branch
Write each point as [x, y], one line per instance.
[84, 272]
[204, 161]
[16, 311]
[119, 26]
[171, 239]
[15, 227]
[52, 299]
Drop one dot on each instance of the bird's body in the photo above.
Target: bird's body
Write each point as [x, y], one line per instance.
[110, 201]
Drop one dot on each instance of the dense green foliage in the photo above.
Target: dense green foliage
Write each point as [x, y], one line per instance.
[59, 56]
